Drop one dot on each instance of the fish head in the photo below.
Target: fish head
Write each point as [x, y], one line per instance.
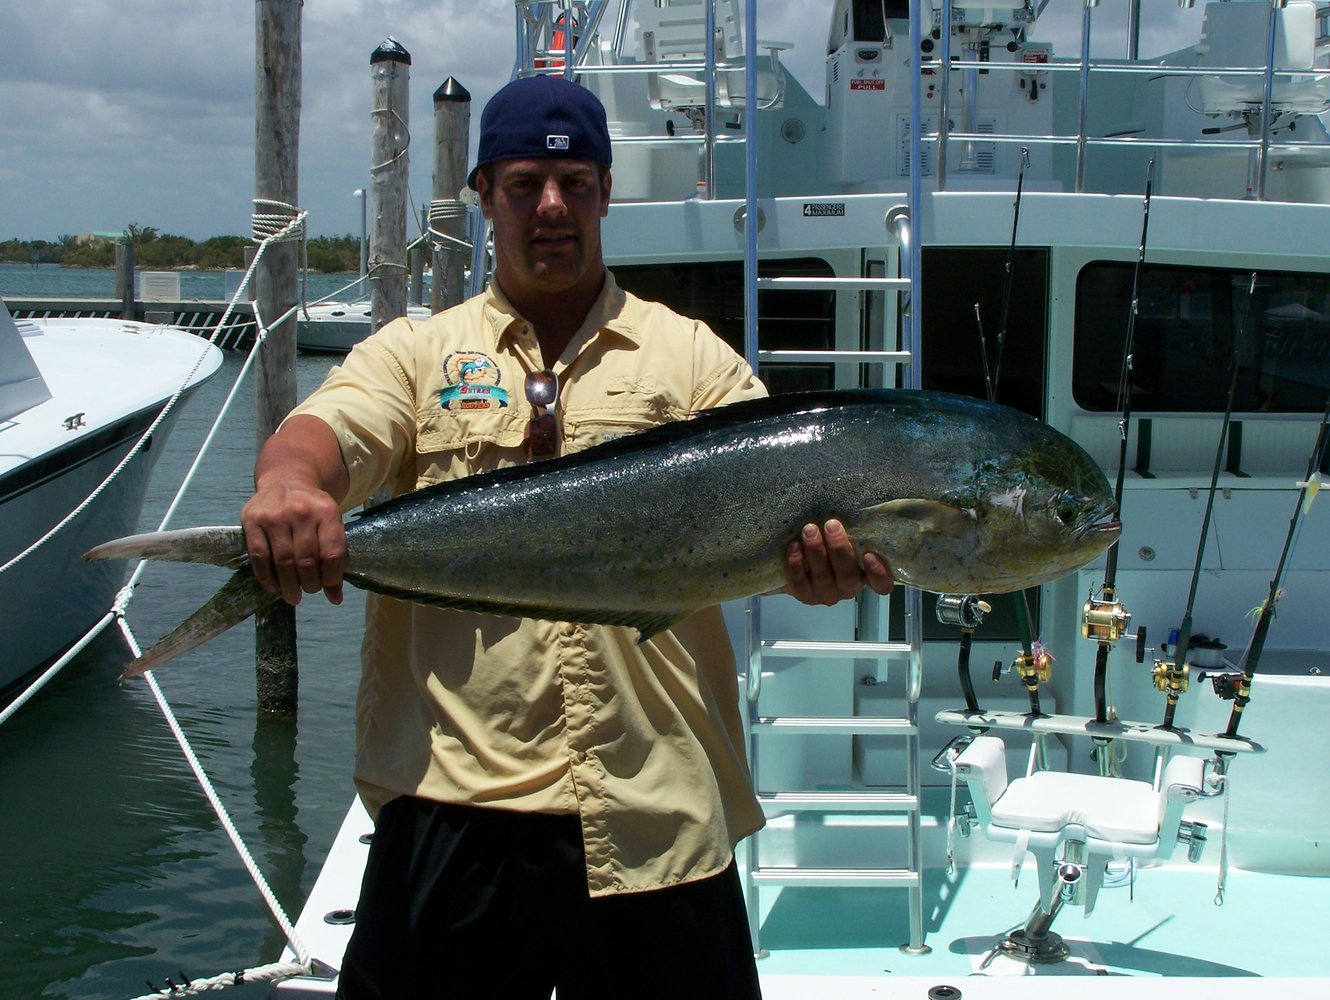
[1040, 513]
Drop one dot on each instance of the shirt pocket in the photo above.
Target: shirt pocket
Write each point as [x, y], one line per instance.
[630, 403]
[455, 443]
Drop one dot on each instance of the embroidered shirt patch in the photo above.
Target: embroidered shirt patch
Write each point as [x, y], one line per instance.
[473, 382]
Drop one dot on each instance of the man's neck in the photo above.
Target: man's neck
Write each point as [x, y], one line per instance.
[556, 318]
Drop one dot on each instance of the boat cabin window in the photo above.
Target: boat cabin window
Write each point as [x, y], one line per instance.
[956, 280]
[712, 291]
[870, 17]
[1190, 323]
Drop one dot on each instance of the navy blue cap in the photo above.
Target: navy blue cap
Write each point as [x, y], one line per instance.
[542, 117]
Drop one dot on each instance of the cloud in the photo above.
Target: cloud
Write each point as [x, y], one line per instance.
[143, 112]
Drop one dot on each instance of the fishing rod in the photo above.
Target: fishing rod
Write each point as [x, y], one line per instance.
[1171, 675]
[1008, 275]
[1031, 668]
[968, 612]
[1316, 465]
[1105, 620]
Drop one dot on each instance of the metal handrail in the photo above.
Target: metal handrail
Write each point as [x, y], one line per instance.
[1261, 144]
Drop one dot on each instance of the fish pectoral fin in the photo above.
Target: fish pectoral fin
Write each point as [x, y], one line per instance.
[927, 515]
[650, 625]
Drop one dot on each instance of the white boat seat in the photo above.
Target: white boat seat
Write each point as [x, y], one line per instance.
[1234, 35]
[1102, 808]
[675, 31]
[1115, 818]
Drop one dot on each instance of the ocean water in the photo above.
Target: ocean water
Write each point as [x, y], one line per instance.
[99, 282]
[115, 872]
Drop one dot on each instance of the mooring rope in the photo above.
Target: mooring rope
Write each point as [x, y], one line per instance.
[279, 970]
[444, 210]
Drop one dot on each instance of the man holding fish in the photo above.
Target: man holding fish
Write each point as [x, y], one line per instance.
[540, 788]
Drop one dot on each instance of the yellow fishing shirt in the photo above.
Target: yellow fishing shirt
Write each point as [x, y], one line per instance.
[643, 742]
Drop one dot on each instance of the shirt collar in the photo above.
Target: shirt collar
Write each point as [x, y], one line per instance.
[607, 315]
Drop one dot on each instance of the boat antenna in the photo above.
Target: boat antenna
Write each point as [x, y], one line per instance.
[1105, 620]
[1008, 272]
[1308, 488]
[1169, 674]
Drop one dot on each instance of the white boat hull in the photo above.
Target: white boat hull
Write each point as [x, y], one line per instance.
[109, 381]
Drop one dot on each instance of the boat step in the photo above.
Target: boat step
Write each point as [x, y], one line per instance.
[845, 878]
[842, 357]
[897, 802]
[810, 648]
[848, 725]
[846, 284]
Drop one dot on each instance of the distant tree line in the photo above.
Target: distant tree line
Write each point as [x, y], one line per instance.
[164, 251]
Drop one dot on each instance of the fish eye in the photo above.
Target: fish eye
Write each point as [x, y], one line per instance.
[1068, 509]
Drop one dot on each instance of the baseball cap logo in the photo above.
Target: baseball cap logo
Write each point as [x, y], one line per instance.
[557, 142]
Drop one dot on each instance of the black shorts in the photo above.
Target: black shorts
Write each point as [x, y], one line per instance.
[459, 901]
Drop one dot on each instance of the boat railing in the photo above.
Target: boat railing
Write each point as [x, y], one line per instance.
[685, 76]
[1259, 122]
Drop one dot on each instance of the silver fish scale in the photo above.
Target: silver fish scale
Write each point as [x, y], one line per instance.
[682, 517]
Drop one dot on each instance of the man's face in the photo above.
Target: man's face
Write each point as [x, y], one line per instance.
[546, 215]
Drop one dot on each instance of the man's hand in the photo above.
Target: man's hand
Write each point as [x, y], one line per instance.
[293, 522]
[296, 540]
[822, 567]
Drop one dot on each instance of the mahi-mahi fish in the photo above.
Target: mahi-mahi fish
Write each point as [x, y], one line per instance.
[959, 496]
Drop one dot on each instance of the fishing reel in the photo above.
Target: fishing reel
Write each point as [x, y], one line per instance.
[1170, 677]
[965, 610]
[1227, 684]
[1034, 667]
[1105, 620]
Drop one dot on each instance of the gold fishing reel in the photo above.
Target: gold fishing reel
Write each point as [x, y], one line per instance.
[1106, 620]
[1170, 677]
[1034, 667]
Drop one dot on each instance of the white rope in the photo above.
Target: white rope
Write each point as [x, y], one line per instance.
[55, 668]
[263, 973]
[281, 223]
[443, 210]
[223, 817]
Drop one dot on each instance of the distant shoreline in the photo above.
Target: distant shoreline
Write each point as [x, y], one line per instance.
[194, 268]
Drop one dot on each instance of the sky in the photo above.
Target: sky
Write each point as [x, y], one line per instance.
[118, 112]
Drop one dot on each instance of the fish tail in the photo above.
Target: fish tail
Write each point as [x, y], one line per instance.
[240, 597]
[216, 546]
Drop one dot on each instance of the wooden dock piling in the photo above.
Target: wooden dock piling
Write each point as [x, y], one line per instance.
[452, 136]
[124, 278]
[390, 67]
[277, 83]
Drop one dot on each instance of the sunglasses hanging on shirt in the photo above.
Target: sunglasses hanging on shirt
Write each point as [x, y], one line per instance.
[541, 439]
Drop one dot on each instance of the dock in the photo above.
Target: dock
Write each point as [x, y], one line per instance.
[198, 316]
